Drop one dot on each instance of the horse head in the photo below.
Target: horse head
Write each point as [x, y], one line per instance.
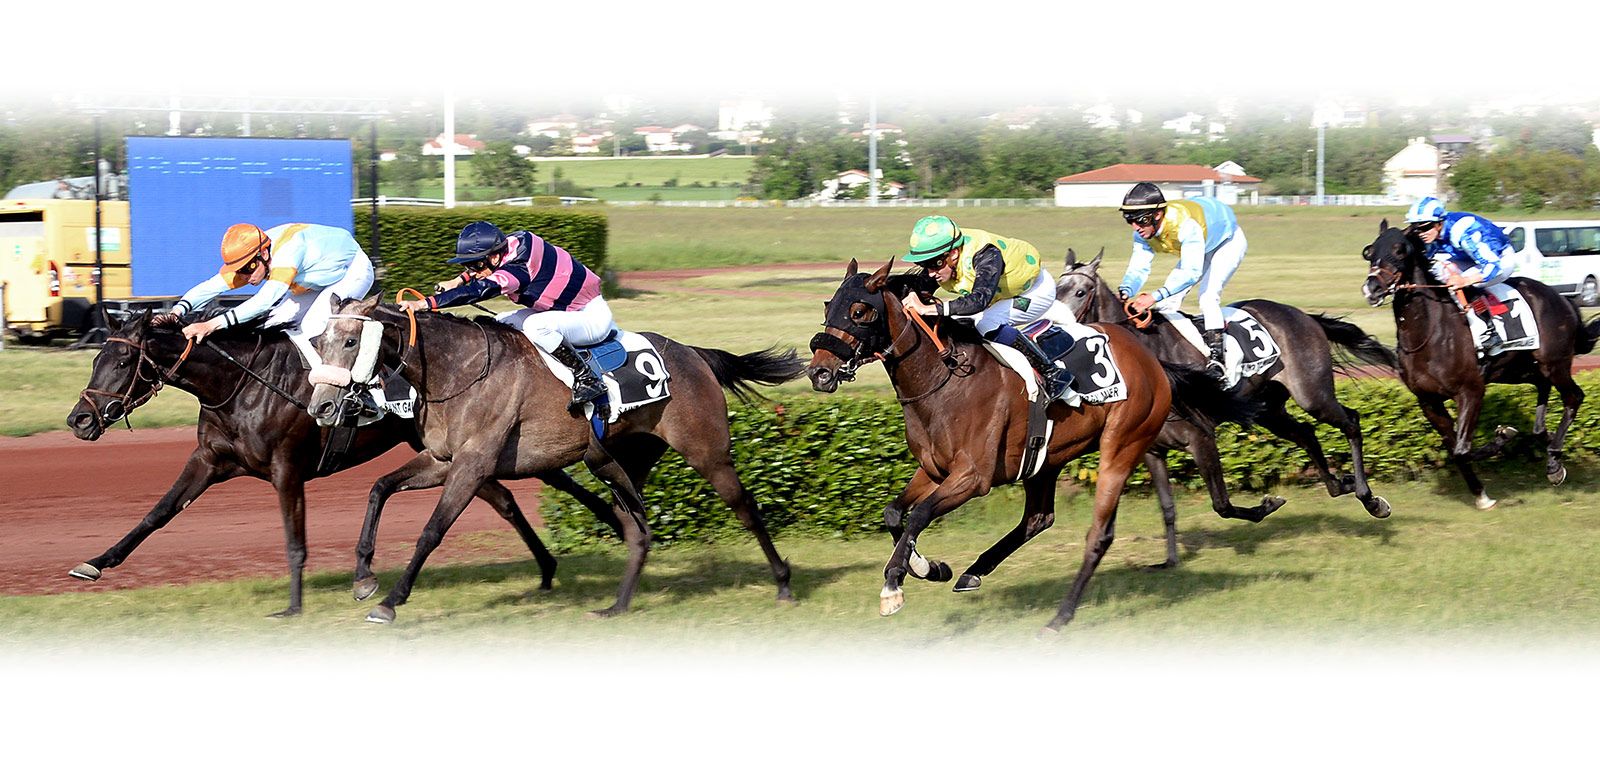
[856, 322]
[1080, 285]
[126, 373]
[350, 347]
[1392, 257]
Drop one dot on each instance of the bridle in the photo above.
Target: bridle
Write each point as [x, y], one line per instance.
[124, 401]
[901, 344]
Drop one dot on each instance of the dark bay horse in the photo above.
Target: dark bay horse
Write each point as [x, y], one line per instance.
[246, 429]
[966, 422]
[489, 408]
[1305, 374]
[1438, 360]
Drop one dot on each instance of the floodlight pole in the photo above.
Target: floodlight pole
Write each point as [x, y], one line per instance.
[449, 151]
[99, 265]
[872, 152]
[373, 254]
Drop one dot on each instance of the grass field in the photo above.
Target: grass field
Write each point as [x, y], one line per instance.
[622, 180]
[1318, 572]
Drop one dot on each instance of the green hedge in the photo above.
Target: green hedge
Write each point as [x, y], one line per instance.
[415, 242]
[829, 464]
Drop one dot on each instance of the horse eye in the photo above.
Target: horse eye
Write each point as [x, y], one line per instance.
[1081, 293]
[350, 342]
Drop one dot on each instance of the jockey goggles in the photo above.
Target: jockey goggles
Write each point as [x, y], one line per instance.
[1140, 217]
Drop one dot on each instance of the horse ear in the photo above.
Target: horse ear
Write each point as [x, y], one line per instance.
[851, 269]
[110, 322]
[1072, 258]
[1383, 225]
[1094, 265]
[879, 278]
[366, 307]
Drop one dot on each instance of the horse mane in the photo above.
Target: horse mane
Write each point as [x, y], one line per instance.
[424, 317]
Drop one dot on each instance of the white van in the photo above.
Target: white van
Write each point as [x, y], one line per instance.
[1564, 254]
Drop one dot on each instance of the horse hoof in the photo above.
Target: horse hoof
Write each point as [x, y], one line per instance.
[890, 601]
[607, 613]
[1558, 477]
[1380, 507]
[89, 573]
[1485, 502]
[365, 586]
[1048, 633]
[941, 572]
[967, 583]
[1165, 565]
[1505, 432]
[381, 615]
[287, 613]
[1270, 503]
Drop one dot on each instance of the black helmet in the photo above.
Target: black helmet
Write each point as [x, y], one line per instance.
[1142, 201]
[479, 240]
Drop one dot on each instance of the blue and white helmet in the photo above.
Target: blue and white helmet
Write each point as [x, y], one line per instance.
[1426, 210]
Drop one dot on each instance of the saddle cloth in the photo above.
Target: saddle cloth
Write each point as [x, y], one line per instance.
[1515, 323]
[634, 373]
[1247, 349]
[1096, 377]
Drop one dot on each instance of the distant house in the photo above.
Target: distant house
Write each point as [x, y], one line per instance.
[844, 184]
[588, 143]
[660, 139]
[1413, 172]
[554, 126]
[1106, 187]
[463, 146]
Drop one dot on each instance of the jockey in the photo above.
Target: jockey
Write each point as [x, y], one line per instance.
[1001, 284]
[294, 264]
[1205, 236]
[1467, 251]
[560, 296]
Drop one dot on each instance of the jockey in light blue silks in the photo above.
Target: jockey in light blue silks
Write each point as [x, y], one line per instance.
[1467, 250]
[1205, 235]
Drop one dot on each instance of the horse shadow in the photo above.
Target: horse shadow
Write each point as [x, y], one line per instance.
[1246, 540]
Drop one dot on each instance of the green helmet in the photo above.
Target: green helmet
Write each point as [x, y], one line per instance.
[933, 236]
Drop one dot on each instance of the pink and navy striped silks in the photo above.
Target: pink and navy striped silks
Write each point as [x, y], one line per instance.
[536, 274]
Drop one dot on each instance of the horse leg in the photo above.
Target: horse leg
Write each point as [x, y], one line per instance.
[560, 481]
[199, 474]
[894, 516]
[1038, 514]
[1571, 399]
[630, 513]
[716, 466]
[1116, 463]
[423, 471]
[466, 476]
[1156, 463]
[292, 503]
[1348, 421]
[1276, 419]
[1433, 409]
[500, 498]
[1201, 444]
[958, 487]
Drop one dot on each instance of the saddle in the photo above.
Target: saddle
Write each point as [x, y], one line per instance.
[631, 368]
[1512, 319]
[1248, 349]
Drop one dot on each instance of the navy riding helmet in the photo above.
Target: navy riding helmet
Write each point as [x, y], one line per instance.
[478, 240]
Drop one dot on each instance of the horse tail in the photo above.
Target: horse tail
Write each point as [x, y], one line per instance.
[1198, 398]
[1590, 334]
[737, 372]
[1358, 343]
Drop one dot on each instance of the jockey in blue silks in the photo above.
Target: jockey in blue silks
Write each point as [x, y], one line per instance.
[1467, 250]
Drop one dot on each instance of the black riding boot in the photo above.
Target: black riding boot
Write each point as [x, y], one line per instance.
[1055, 378]
[1489, 340]
[586, 386]
[1217, 361]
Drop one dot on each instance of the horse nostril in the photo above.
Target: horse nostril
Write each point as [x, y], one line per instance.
[324, 410]
[79, 421]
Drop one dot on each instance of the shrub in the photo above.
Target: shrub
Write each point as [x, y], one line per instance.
[415, 242]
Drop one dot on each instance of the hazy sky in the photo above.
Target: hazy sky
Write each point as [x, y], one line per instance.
[931, 51]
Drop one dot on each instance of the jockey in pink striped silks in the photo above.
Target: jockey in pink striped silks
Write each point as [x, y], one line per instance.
[560, 296]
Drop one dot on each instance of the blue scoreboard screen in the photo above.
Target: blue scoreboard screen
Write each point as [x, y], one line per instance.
[183, 193]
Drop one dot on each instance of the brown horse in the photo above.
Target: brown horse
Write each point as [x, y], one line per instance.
[967, 424]
[250, 385]
[489, 408]
[1438, 360]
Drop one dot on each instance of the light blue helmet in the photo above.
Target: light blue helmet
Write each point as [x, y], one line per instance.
[1426, 210]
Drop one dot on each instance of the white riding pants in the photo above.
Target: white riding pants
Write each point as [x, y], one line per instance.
[546, 329]
[1219, 267]
[1034, 302]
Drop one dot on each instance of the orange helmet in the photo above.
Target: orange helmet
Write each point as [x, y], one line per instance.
[242, 243]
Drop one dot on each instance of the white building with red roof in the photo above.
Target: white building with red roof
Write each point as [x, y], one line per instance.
[464, 146]
[1105, 187]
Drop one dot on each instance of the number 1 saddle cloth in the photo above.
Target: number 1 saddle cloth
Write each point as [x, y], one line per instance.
[1512, 319]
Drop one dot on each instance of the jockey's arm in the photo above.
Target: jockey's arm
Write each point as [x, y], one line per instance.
[1138, 268]
[473, 291]
[988, 266]
[1191, 261]
[201, 295]
[272, 290]
[1488, 261]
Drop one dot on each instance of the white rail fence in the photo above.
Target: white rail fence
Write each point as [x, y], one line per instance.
[1328, 200]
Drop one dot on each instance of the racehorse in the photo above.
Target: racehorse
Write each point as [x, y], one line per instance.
[967, 425]
[1304, 374]
[249, 383]
[1438, 359]
[489, 408]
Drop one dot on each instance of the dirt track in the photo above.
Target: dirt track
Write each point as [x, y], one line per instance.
[63, 501]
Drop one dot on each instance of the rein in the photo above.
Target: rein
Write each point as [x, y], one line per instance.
[258, 378]
[952, 362]
[126, 397]
[411, 343]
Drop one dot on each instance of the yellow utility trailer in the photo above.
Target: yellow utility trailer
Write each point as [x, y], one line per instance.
[47, 263]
